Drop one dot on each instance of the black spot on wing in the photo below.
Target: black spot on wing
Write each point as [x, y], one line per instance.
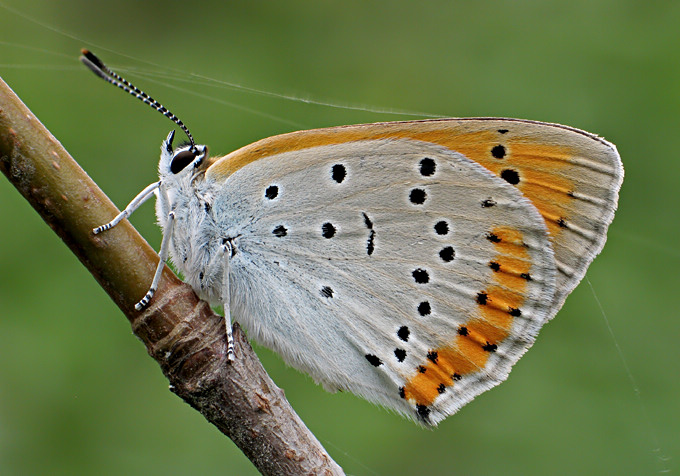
[498, 152]
[493, 238]
[490, 347]
[447, 254]
[510, 176]
[441, 227]
[423, 411]
[417, 196]
[338, 173]
[271, 192]
[427, 167]
[370, 243]
[420, 276]
[327, 292]
[403, 333]
[328, 230]
[424, 308]
[367, 221]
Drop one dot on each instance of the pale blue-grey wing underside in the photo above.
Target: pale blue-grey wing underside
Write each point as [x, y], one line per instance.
[344, 250]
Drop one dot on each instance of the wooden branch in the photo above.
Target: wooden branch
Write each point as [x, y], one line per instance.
[179, 331]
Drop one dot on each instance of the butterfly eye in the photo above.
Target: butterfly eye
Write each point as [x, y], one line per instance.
[181, 160]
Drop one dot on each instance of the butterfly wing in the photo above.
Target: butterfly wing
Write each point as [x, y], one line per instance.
[394, 268]
[571, 176]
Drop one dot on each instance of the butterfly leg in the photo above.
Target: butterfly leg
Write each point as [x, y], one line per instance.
[142, 197]
[226, 300]
[163, 257]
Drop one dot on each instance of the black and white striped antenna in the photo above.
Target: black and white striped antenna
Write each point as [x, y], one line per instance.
[101, 70]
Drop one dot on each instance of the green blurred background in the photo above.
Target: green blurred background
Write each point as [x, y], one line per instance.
[79, 395]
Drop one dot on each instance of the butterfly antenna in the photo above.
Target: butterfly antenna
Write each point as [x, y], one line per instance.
[103, 71]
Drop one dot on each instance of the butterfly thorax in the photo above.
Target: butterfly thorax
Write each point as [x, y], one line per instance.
[196, 245]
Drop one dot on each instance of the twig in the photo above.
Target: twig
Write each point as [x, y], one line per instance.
[180, 332]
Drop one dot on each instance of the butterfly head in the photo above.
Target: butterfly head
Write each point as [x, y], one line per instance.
[182, 160]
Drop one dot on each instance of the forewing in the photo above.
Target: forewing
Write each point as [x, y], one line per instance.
[571, 176]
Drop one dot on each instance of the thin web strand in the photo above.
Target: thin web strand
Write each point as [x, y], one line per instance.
[219, 82]
[656, 450]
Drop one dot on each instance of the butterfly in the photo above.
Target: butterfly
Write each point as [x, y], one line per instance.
[411, 263]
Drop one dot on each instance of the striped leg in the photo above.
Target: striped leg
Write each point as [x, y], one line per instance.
[226, 301]
[142, 197]
[163, 255]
